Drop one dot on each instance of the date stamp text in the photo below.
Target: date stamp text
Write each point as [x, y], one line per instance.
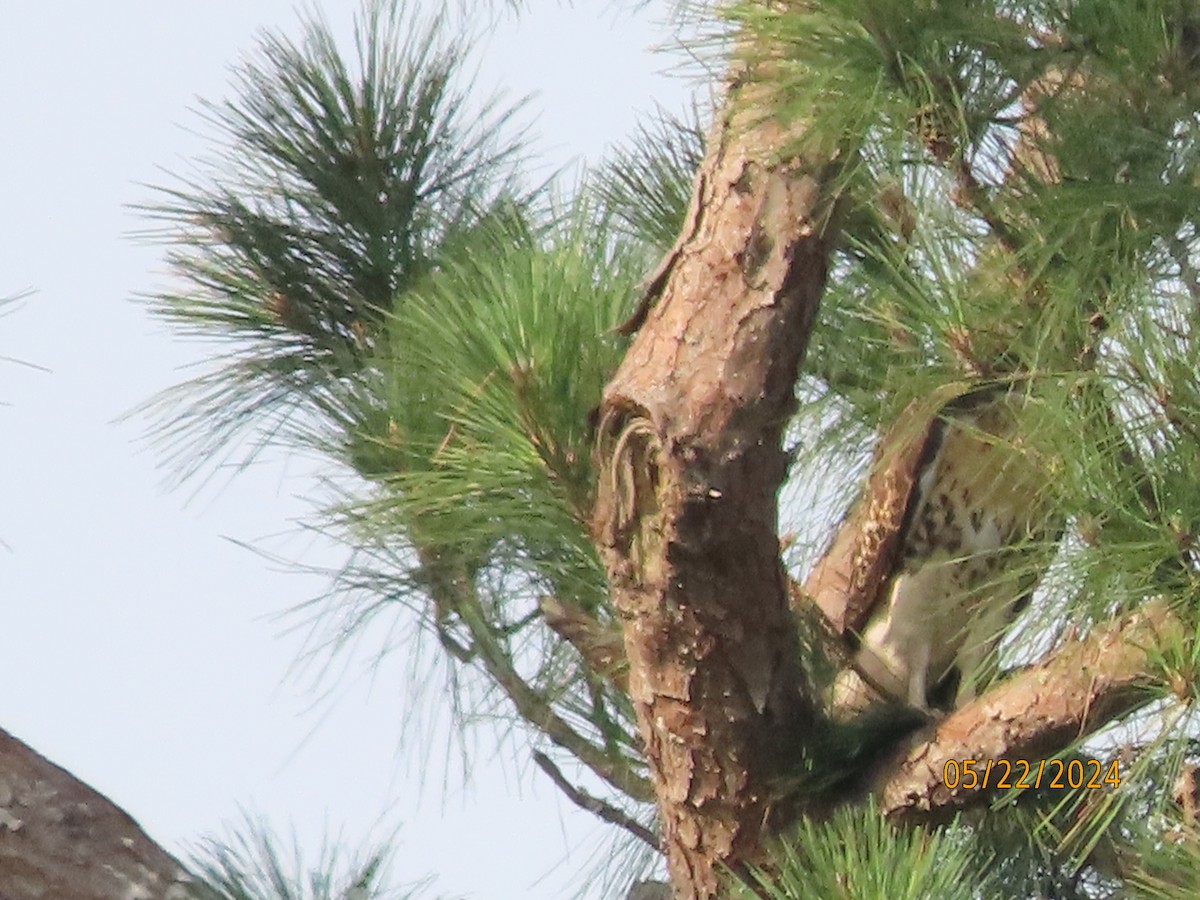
[1021, 774]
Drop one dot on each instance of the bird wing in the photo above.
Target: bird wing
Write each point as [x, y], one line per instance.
[848, 581]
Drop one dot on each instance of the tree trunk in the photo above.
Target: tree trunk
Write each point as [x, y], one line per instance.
[60, 840]
[691, 462]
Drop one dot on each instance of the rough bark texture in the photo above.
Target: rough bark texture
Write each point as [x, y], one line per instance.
[691, 462]
[1081, 687]
[60, 840]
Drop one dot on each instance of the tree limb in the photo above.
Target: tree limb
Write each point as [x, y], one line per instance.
[690, 459]
[1081, 687]
[61, 839]
[535, 709]
[599, 645]
[594, 805]
[453, 594]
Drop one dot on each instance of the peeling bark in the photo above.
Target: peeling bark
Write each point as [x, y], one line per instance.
[1084, 685]
[61, 840]
[690, 456]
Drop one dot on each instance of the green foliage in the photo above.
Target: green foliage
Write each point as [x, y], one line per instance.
[857, 855]
[511, 344]
[250, 864]
[648, 183]
[391, 298]
[473, 423]
[963, 259]
[1018, 186]
[922, 99]
[1054, 253]
[336, 186]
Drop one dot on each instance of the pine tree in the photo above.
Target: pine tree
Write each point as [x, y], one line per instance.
[569, 473]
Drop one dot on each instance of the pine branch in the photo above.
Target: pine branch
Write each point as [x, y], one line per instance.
[1181, 254]
[689, 445]
[594, 805]
[344, 176]
[533, 707]
[1084, 685]
[599, 646]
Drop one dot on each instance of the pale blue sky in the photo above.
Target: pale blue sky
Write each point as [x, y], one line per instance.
[141, 646]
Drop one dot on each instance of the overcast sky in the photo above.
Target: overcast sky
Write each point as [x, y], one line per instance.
[142, 646]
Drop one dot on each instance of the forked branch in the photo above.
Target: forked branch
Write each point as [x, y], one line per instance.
[1081, 687]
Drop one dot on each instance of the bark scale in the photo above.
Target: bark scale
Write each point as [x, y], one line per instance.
[1079, 688]
[60, 839]
[689, 451]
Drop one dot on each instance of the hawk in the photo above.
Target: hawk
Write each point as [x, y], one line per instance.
[939, 555]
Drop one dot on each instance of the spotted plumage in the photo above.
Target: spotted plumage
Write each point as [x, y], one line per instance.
[970, 542]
